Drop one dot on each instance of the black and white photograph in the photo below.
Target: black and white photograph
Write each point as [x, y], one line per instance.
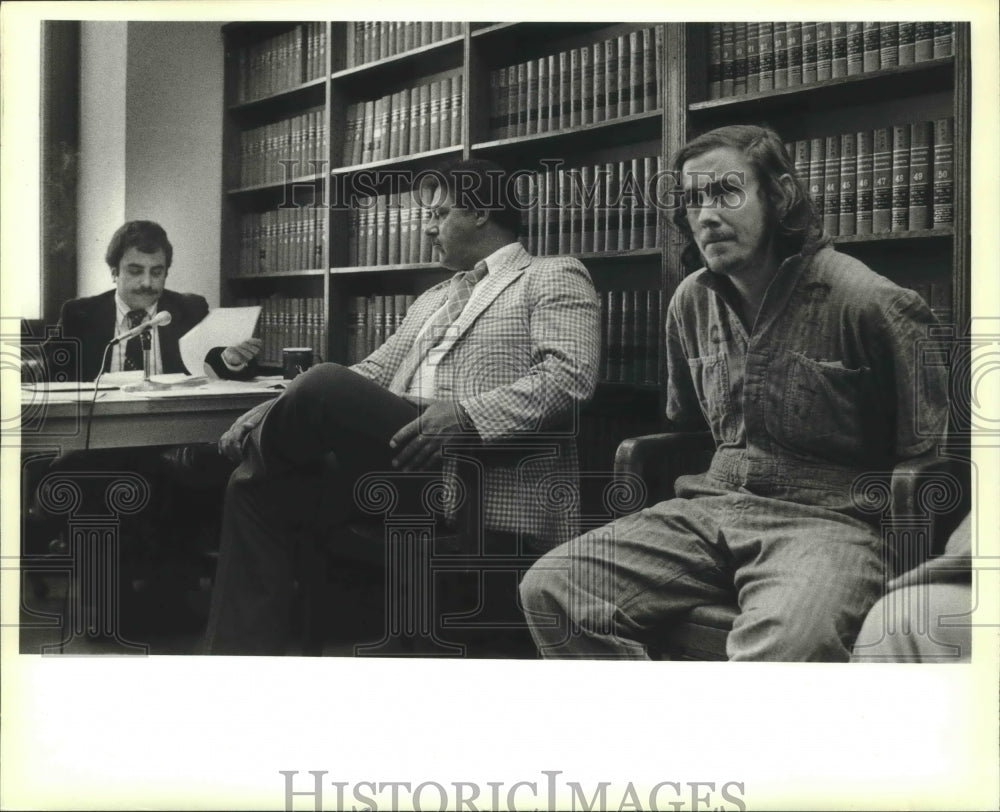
[547, 413]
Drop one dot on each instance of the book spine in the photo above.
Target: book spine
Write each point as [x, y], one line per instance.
[944, 150]
[499, 121]
[831, 186]
[587, 209]
[920, 175]
[640, 349]
[882, 181]
[658, 56]
[728, 59]
[793, 38]
[649, 84]
[923, 43]
[447, 114]
[888, 37]
[457, 109]
[612, 338]
[838, 41]
[636, 214]
[800, 160]
[565, 87]
[943, 40]
[780, 55]
[531, 97]
[393, 223]
[865, 174]
[649, 209]
[611, 78]
[900, 177]
[424, 118]
[576, 88]
[907, 32]
[871, 48]
[544, 99]
[809, 53]
[624, 78]
[626, 340]
[765, 49]
[612, 202]
[636, 89]
[848, 184]
[574, 211]
[817, 161]
[824, 51]
[753, 57]
[739, 59]
[600, 89]
[856, 48]
[434, 118]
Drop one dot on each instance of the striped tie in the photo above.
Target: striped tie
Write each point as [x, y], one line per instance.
[459, 292]
[133, 347]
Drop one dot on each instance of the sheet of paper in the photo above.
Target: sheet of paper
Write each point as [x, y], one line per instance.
[223, 327]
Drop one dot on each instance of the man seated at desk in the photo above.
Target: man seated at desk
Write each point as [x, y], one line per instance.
[139, 256]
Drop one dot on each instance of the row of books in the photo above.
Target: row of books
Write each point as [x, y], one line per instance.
[282, 240]
[604, 207]
[371, 320]
[283, 150]
[585, 85]
[884, 180]
[758, 57]
[630, 327]
[289, 321]
[412, 120]
[378, 39]
[388, 230]
[281, 63]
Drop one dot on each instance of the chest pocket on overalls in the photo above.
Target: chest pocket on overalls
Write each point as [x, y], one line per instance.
[710, 376]
[819, 408]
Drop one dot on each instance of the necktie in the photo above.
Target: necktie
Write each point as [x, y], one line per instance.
[459, 292]
[133, 347]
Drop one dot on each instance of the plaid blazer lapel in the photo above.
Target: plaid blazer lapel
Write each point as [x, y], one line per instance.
[492, 286]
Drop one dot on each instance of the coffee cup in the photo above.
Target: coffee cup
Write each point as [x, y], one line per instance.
[295, 360]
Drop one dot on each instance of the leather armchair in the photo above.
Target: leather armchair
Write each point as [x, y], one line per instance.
[916, 509]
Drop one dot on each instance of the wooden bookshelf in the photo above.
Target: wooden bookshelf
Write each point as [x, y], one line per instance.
[472, 55]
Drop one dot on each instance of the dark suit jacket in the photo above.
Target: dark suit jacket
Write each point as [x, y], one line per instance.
[91, 322]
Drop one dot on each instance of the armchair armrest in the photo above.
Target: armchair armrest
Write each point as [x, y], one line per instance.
[934, 489]
[658, 459]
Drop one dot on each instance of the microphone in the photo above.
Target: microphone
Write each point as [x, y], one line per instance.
[161, 319]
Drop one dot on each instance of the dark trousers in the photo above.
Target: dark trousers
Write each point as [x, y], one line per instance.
[285, 490]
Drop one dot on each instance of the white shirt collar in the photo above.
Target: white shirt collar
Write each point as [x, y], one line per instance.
[123, 309]
[500, 257]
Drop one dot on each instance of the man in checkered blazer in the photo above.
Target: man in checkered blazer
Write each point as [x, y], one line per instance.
[504, 353]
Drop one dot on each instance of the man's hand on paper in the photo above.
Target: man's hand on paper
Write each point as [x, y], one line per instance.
[242, 353]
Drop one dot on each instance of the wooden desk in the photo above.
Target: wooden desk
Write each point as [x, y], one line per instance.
[123, 420]
[90, 553]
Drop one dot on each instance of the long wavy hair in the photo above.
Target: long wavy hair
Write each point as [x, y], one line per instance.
[795, 224]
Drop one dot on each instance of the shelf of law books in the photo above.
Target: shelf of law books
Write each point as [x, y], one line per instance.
[327, 123]
[873, 115]
[275, 163]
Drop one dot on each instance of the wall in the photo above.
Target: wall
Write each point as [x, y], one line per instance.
[152, 145]
[101, 189]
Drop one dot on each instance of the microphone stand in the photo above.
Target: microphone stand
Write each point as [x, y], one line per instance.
[146, 339]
